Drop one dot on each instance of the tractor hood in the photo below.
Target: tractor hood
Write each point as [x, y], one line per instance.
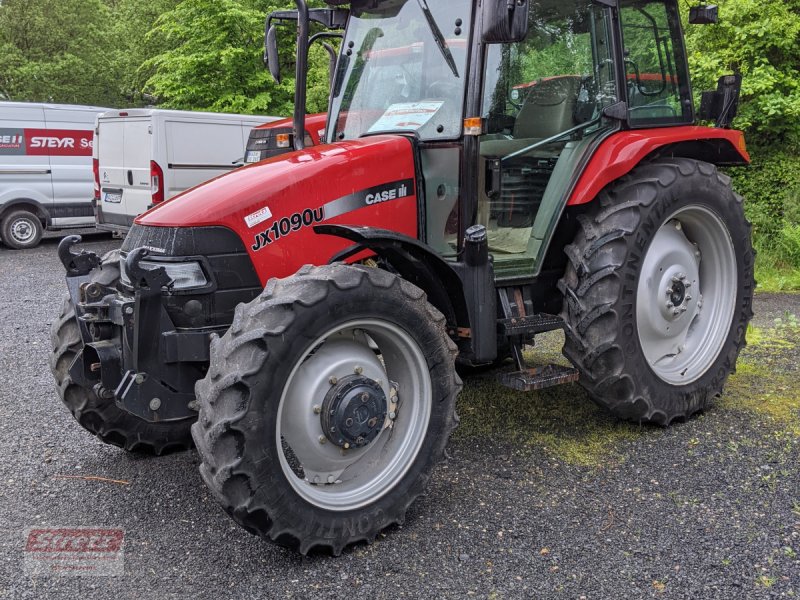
[274, 205]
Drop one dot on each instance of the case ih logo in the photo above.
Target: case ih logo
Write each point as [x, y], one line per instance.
[45, 142]
[74, 551]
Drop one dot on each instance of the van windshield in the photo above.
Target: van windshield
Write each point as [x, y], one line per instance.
[402, 69]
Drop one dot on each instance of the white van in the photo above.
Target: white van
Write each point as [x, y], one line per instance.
[45, 169]
[147, 156]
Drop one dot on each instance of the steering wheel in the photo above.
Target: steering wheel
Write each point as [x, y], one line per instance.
[443, 89]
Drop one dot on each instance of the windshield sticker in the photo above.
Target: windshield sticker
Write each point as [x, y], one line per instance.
[258, 217]
[407, 116]
[388, 192]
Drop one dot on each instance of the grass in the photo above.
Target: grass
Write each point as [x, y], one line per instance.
[561, 421]
[762, 384]
[777, 278]
[566, 425]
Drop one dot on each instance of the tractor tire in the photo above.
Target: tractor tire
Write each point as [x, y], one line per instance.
[21, 230]
[101, 416]
[658, 291]
[297, 363]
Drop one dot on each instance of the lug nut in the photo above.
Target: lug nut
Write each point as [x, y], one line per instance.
[358, 370]
[676, 312]
[392, 415]
[317, 409]
[139, 378]
[322, 439]
[670, 305]
[331, 479]
[346, 445]
[349, 422]
[155, 404]
[678, 225]
[333, 380]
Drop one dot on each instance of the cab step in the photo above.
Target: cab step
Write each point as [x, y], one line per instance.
[529, 325]
[538, 378]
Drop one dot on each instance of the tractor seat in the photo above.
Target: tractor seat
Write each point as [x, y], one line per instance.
[549, 108]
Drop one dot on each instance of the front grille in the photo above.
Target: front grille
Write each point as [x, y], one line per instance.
[222, 252]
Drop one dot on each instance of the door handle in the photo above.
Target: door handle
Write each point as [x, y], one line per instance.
[130, 177]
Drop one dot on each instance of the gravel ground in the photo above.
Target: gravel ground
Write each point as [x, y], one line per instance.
[706, 509]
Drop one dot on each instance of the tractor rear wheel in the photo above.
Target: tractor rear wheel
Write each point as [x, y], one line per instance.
[101, 416]
[658, 291]
[326, 406]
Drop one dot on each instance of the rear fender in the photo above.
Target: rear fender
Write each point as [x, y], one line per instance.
[620, 153]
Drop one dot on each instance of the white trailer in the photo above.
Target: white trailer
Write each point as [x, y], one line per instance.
[45, 169]
[147, 156]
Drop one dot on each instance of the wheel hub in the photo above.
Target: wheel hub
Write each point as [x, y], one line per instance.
[686, 294]
[21, 230]
[354, 412]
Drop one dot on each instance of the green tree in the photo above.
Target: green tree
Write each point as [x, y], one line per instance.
[131, 21]
[761, 40]
[56, 50]
[213, 60]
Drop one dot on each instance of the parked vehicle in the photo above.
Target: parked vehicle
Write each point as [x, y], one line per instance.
[276, 138]
[146, 156]
[302, 316]
[45, 169]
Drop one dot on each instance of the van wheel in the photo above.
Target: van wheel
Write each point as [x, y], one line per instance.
[21, 229]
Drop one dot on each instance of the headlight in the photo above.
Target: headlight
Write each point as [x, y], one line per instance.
[184, 275]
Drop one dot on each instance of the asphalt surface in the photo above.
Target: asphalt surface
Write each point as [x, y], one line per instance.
[705, 509]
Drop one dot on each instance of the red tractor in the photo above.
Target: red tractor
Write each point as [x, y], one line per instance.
[301, 318]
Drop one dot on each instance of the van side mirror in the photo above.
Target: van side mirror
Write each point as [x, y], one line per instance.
[271, 54]
[505, 21]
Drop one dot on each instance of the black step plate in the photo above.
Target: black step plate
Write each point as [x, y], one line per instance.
[538, 378]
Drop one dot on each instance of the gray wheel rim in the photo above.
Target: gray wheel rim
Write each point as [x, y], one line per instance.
[23, 230]
[333, 478]
[686, 295]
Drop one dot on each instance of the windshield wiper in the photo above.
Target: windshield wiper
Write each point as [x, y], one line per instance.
[438, 37]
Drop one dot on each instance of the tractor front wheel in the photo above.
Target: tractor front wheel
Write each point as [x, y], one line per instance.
[326, 406]
[659, 290]
[101, 416]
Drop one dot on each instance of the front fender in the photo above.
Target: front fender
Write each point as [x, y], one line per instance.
[414, 261]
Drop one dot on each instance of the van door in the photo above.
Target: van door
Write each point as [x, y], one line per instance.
[137, 195]
[197, 152]
[69, 142]
[110, 154]
[24, 170]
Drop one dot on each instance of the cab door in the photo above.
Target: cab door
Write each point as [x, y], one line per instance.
[543, 103]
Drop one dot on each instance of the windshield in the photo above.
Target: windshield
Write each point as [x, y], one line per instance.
[402, 69]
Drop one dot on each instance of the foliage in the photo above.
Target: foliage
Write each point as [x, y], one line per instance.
[214, 60]
[761, 40]
[56, 50]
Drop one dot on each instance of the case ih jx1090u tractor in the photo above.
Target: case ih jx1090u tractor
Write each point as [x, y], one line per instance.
[493, 170]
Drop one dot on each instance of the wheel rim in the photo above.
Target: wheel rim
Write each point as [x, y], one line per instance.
[22, 230]
[331, 476]
[686, 295]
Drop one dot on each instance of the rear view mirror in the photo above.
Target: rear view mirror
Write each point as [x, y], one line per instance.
[505, 21]
[705, 14]
[272, 58]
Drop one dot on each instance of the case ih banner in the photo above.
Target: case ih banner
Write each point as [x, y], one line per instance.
[45, 142]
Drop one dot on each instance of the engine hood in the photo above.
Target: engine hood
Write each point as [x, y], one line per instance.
[273, 205]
